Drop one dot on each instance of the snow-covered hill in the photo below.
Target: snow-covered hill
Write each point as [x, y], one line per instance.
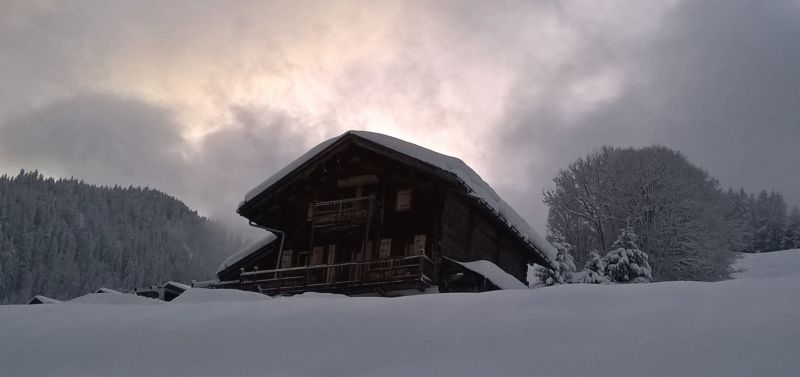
[742, 327]
[776, 264]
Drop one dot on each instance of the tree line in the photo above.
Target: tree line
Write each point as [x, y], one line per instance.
[687, 224]
[63, 238]
[764, 221]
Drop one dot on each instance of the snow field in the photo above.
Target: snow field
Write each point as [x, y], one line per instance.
[743, 327]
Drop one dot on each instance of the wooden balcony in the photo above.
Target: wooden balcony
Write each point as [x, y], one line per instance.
[351, 211]
[414, 272]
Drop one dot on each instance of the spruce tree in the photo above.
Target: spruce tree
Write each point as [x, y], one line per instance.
[626, 263]
[594, 272]
[791, 237]
[564, 267]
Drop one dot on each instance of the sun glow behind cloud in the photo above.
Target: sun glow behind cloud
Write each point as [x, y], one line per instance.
[515, 89]
[393, 70]
[439, 75]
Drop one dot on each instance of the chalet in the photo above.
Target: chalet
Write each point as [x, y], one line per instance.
[367, 213]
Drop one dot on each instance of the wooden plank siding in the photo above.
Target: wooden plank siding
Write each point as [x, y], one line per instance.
[467, 235]
[511, 258]
[455, 237]
[290, 210]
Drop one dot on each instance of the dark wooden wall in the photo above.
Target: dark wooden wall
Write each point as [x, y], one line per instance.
[289, 206]
[468, 234]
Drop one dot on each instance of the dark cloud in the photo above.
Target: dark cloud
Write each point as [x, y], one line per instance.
[219, 96]
[101, 137]
[107, 139]
[717, 80]
[239, 156]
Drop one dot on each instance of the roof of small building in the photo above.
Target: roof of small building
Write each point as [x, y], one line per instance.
[39, 299]
[108, 290]
[246, 252]
[175, 284]
[491, 271]
[468, 178]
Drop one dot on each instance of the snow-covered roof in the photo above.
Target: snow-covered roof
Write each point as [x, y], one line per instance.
[495, 274]
[108, 290]
[114, 299]
[245, 252]
[476, 186]
[43, 300]
[176, 285]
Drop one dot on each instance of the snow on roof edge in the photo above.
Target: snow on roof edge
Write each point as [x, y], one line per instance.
[493, 272]
[477, 187]
[289, 168]
[245, 252]
[108, 290]
[177, 285]
[43, 300]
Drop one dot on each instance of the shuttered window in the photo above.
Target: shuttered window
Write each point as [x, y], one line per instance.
[404, 200]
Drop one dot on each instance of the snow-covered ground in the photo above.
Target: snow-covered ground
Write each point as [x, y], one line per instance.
[744, 327]
[776, 264]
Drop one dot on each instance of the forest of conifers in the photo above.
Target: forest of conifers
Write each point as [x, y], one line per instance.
[63, 238]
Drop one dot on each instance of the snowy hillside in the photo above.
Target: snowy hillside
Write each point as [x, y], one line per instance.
[770, 265]
[743, 327]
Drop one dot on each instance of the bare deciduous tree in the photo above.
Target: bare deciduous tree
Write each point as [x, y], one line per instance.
[676, 208]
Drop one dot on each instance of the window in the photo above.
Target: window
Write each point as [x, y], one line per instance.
[286, 259]
[419, 244]
[331, 253]
[404, 200]
[367, 251]
[302, 259]
[385, 249]
[415, 248]
[316, 255]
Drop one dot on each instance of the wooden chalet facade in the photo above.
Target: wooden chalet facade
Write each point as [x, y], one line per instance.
[367, 213]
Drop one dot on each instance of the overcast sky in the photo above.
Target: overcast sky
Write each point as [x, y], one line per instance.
[205, 99]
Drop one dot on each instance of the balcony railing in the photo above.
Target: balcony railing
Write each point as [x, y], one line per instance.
[353, 277]
[344, 211]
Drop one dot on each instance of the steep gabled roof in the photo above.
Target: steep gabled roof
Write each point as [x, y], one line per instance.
[476, 187]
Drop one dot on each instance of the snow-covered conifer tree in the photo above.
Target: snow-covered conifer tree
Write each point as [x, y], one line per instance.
[564, 267]
[626, 263]
[791, 238]
[593, 272]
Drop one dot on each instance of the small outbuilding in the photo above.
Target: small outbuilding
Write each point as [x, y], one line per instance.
[167, 292]
[39, 299]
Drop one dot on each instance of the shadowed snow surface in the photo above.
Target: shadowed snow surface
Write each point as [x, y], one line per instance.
[744, 327]
[775, 264]
[204, 296]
